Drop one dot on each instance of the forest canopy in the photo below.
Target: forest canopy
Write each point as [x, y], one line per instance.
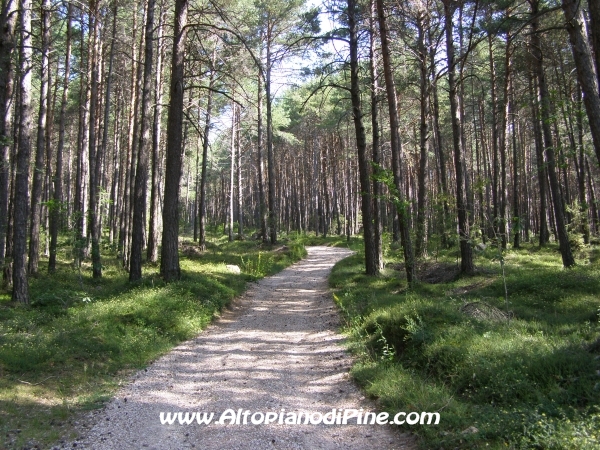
[445, 123]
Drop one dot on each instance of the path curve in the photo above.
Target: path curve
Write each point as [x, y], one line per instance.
[277, 347]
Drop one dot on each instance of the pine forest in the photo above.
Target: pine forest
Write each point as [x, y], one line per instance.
[430, 136]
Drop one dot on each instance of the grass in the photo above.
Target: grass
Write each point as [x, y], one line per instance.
[531, 382]
[71, 349]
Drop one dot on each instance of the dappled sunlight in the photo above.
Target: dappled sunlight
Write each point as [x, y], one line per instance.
[531, 369]
[277, 348]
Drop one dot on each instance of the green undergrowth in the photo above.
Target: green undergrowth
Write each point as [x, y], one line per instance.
[71, 349]
[528, 380]
[310, 239]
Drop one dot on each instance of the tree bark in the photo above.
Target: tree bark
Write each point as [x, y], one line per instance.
[377, 188]
[80, 206]
[361, 143]
[270, 157]
[260, 162]
[133, 137]
[38, 173]
[495, 139]
[7, 272]
[516, 220]
[396, 144]
[580, 158]
[169, 264]
[464, 233]
[49, 150]
[95, 154]
[232, 169]
[141, 173]
[439, 144]
[21, 197]
[152, 250]
[8, 19]
[57, 197]
[106, 120]
[545, 106]
[594, 8]
[422, 26]
[240, 197]
[585, 67]
[542, 173]
[502, 222]
[205, 141]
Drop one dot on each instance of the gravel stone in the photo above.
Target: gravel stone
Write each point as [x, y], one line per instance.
[275, 348]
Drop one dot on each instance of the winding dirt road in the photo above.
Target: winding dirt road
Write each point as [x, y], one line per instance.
[276, 348]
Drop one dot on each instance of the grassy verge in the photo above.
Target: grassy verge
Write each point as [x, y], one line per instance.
[354, 243]
[81, 337]
[528, 379]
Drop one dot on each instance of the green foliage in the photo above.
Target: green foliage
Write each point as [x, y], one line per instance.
[257, 266]
[578, 222]
[310, 239]
[531, 384]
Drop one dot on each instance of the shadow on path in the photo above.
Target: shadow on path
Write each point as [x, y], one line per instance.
[277, 348]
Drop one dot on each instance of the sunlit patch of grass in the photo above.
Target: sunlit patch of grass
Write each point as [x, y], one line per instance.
[528, 382]
[70, 349]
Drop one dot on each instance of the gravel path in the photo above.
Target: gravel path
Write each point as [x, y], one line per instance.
[275, 349]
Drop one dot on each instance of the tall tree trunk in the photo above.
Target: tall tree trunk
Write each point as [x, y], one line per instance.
[7, 272]
[441, 156]
[542, 172]
[55, 211]
[260, 160]
[38, 173]
[270, 156]
[544, 100]
[481, 163]
[464, 233]
[134, 129]
[585, 67]
[396, 144]
[232, 169]
[169, 264]
[123, 247]
[94, 152]
[502, 222]
[594, 8]
[327, 198]
[377, 191]
[115, 186]
[141, 173]
[152, 250]
[8, 19]
[361, 143]
[594, 205]
[422, 26]
[49, 150]
[495, 139]
[195, 216]
[81, 184]
[107, 104]
[205, 141]
[21, 197]
[240, 197]
[516, 220]
[580, 158]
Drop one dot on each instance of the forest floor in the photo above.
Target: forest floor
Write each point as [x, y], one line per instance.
[276, 348]
[509, 357]
[519, 370]
[81, 338]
